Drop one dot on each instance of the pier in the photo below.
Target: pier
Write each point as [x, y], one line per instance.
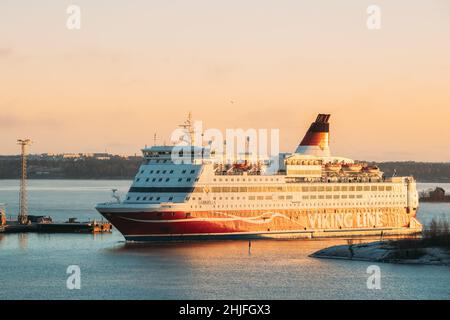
[61, 227]
[43, 224]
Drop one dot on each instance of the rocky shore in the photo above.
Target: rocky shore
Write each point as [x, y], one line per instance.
[388, 251]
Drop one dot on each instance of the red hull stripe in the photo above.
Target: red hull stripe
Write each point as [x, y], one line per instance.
[179, 223]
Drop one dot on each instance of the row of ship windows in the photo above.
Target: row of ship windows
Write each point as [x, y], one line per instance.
[158, 161]
[270, 205]
[245, 179]
[149, 198]
[294, 189]
[387, 196]
[165, 171]
[288, 197]
[345, 196]
[165, 180]
[304, 172]
[243, 198]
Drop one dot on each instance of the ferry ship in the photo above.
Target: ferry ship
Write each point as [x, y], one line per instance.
[311, 195]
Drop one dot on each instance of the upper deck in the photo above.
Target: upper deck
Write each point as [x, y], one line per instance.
[201, 178]
[311, 161]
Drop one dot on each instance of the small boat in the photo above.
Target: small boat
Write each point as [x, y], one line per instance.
[241, 166]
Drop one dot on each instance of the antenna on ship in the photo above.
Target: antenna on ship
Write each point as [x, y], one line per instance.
[247, 149]
[224, 152]
[23, 208]
[188, 126]
[154, 139]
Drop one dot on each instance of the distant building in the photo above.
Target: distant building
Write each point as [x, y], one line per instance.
[134, 157]
[71, 155]
[436, 195]
[59, 156]
[102, 156]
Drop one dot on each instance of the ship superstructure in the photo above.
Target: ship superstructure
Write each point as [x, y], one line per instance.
[312, 194]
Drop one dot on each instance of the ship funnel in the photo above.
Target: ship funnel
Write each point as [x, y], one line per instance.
[316, 140]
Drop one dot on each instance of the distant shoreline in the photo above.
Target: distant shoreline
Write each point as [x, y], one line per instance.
[74, 179]
[119, 168]
[131, 178]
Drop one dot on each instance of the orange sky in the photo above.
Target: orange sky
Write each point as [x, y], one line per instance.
[138, 67]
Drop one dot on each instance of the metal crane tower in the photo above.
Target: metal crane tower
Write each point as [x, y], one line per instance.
[23, 209]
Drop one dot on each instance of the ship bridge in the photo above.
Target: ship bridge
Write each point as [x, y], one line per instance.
[176, 154]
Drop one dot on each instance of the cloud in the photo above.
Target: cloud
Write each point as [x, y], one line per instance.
[5, 52]
[220, 72]
[9, 121]
[16, 121]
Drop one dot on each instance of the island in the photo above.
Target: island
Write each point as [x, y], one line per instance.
[432, 248]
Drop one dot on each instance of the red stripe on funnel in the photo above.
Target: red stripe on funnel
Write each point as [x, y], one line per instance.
[315, 139]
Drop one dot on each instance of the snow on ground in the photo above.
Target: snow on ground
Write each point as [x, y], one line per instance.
[385, 251]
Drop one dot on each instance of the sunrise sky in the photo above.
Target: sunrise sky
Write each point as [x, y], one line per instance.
[137, 67]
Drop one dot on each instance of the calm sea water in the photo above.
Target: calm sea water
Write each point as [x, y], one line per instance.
[33, 266]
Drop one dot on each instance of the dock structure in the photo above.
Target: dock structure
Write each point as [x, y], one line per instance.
[73, 226]
[43, 224]
[57, 227]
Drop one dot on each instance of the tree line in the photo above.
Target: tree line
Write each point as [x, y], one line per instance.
[122, 168]
[89, 168]
[421, 171]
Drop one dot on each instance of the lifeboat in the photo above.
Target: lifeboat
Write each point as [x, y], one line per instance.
[334, 167]
[372, 169]
[243, 166]
[352, 167]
